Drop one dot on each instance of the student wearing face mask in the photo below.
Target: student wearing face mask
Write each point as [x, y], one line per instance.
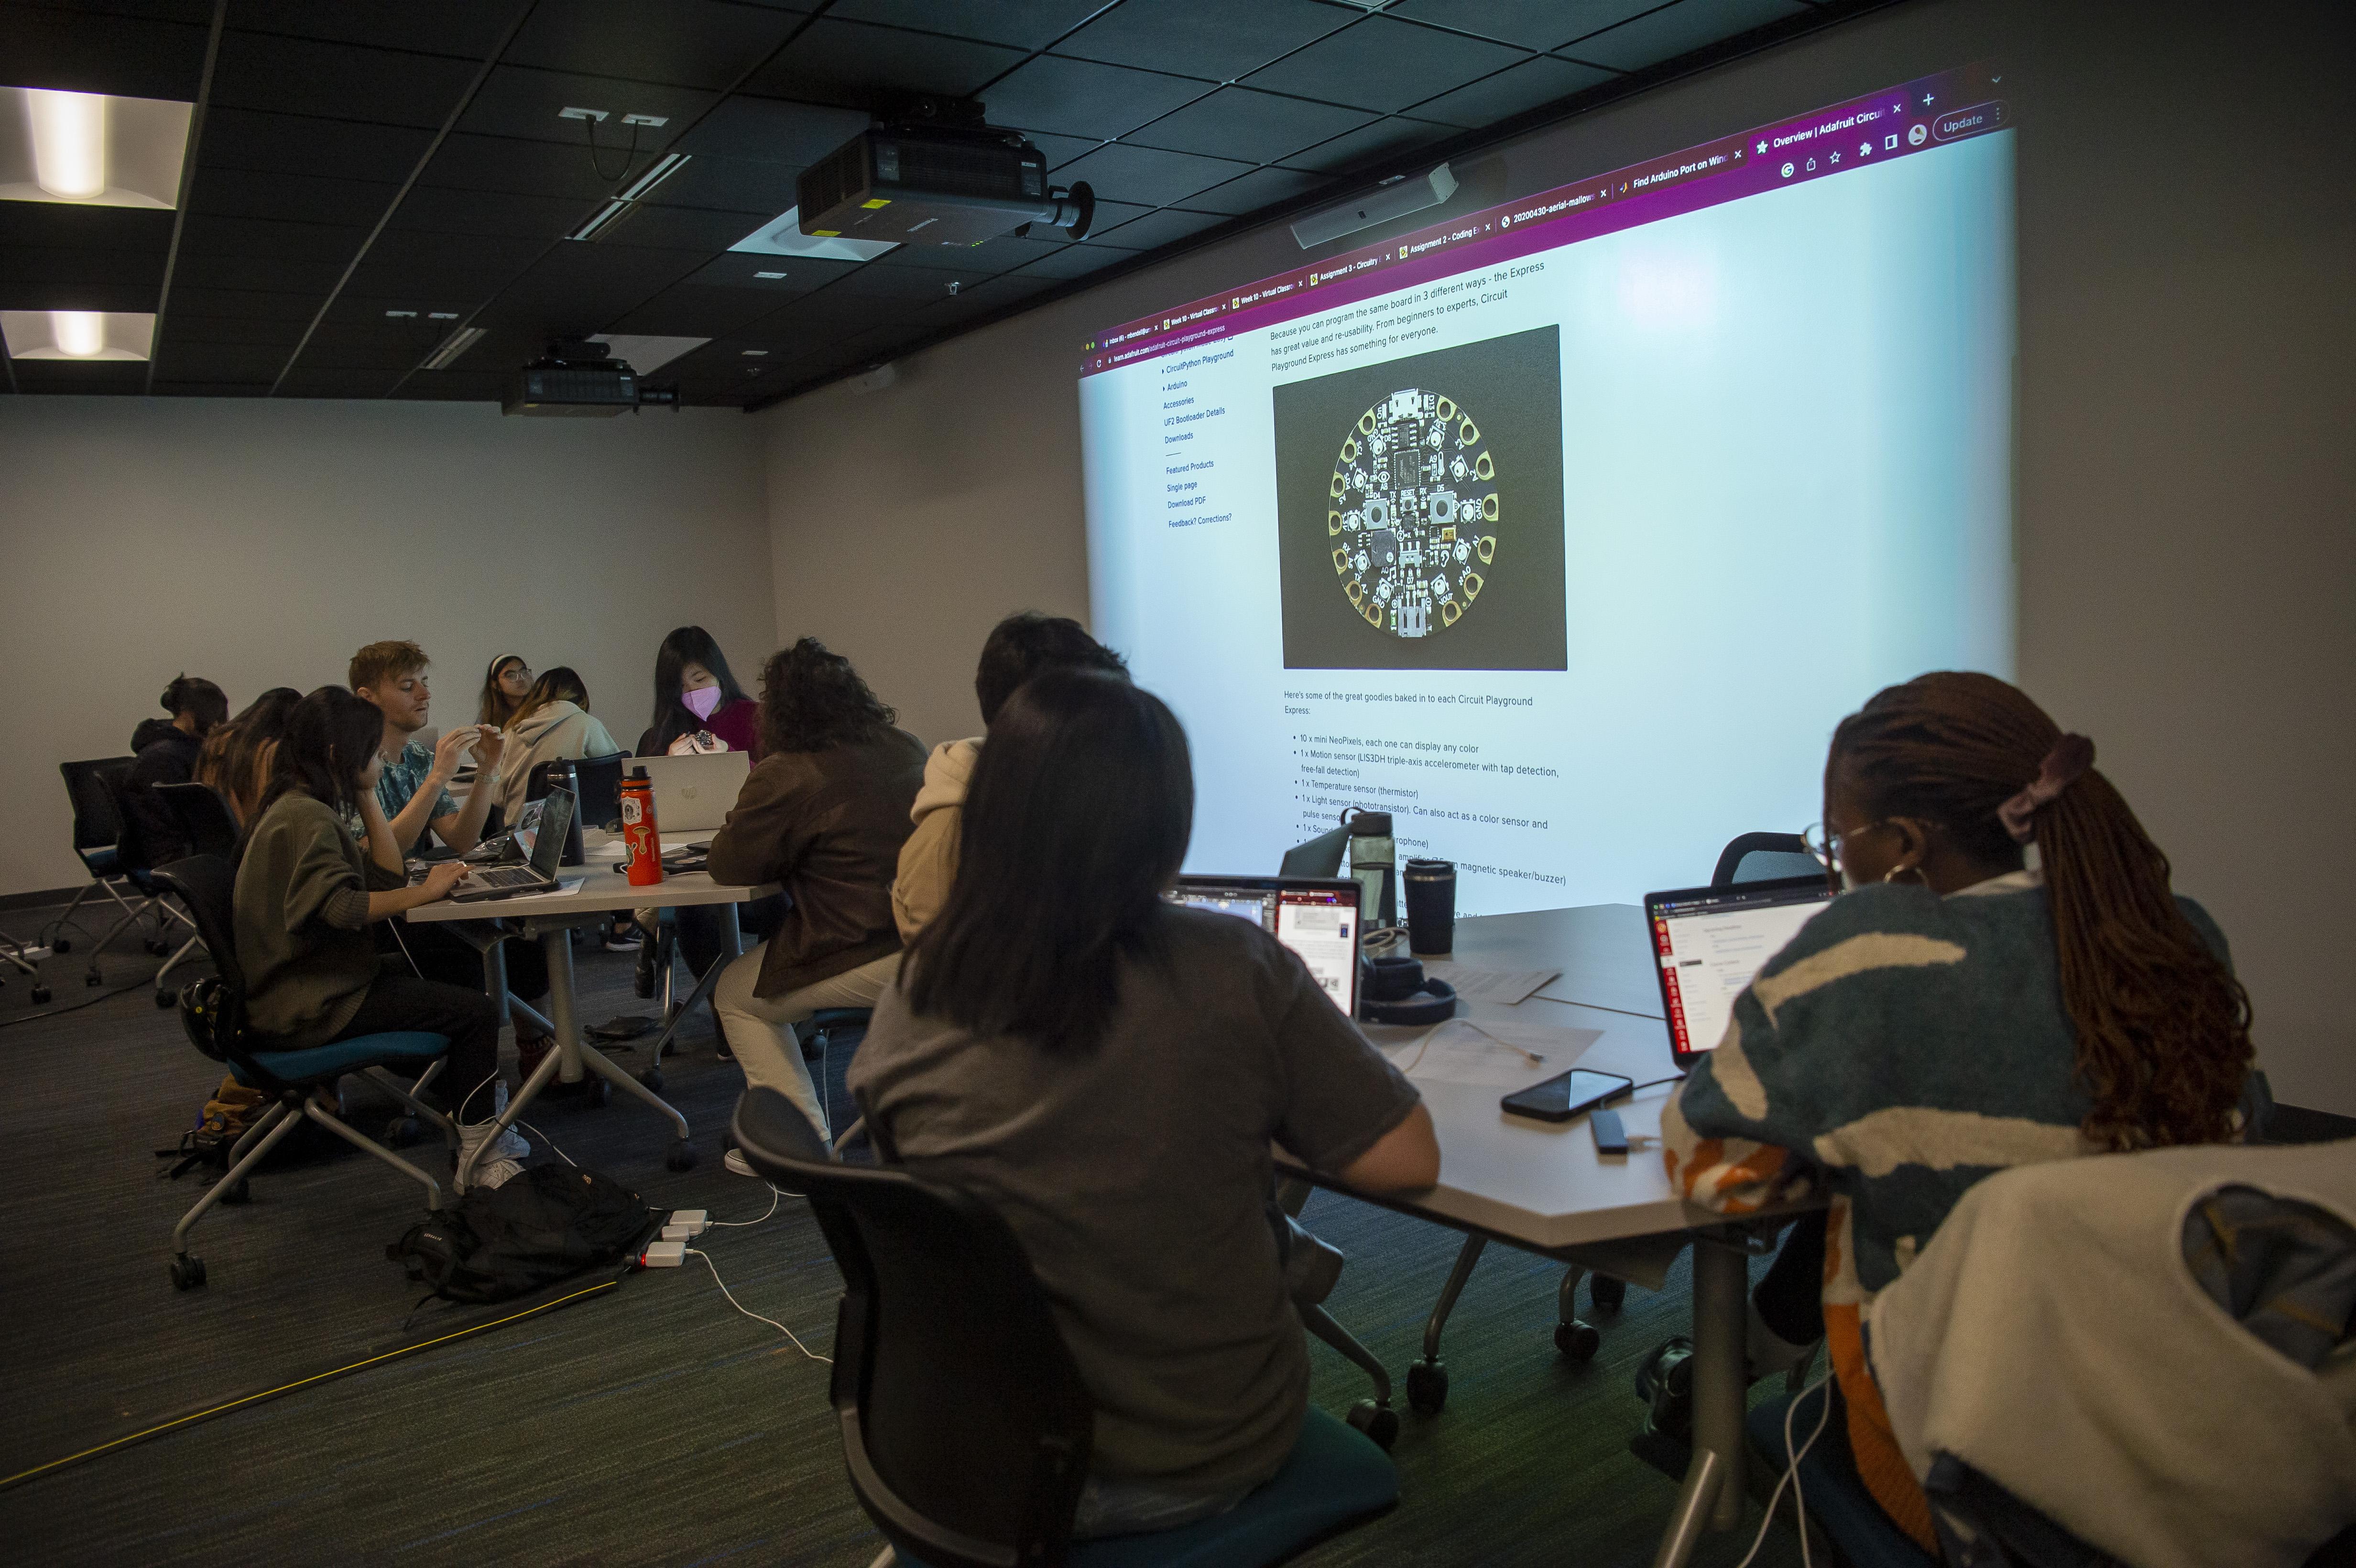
[699, 707]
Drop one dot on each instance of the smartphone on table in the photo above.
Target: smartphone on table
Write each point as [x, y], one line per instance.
[1567, 1094]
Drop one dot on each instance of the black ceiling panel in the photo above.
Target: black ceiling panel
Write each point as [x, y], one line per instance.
[116, 377]
[1159, 228]
[524, 167]
[1147, 173]
[463, 27]
[205, 234]
[256, 305]
[454, 386]
[1072, 261]
[195, 13]
[386, 351]
[74, 226]
[447, 210]
[989, 258]
[694, 310]
[1385, 64]
[257, 193]
[1220, 39]
[1511, 90]
[1261, 187]
[182, 327]
[367, 315]
[1384, 139]
[273, 274]
[1062, 150]
[700, 229]
[405, 262]
[1255, 127]
[688, 43]
[304, 382]
[218, 361]
[1532, 24]
[126, 54]
[923, 284]
[1029, 25]
[852, 64]
[1675, 29]
[306, 145]
[517, 101]
[772, 131]
[1081, 98]
[337, 82]
[738, 184]
[580, 288]
[740, 270]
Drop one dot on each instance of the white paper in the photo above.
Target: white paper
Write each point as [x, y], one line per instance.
[1461, 1050]
[1506, 987]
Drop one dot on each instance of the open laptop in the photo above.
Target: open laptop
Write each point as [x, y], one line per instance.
[1711, 942]
[693, 794]
[537, 875]
[1317, 917]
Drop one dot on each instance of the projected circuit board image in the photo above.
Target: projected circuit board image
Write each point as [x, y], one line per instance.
[1414, 505]
[1420, 510]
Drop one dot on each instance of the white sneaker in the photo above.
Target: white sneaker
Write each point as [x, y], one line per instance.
[509, 1148]
[493, 1173]
[511, 1144]
[737, 1164]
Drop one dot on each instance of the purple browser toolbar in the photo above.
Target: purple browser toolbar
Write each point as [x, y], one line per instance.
[1895, 123]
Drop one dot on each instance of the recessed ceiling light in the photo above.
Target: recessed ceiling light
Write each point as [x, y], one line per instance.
[771, 276]
[784, 237]
[89, 149]
[401, 314]
[87, 335]
[756, 353]
[449, 349]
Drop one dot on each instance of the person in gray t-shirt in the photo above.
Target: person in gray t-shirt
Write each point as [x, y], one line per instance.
[1108, 1070]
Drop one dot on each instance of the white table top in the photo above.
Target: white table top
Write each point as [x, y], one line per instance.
[604, 888]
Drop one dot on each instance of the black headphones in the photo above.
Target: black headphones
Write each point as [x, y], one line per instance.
[1393, 990]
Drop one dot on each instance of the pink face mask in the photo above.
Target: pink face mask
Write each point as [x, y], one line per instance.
[701, 701]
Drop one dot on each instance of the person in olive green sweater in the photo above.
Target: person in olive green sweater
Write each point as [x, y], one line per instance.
[306, 893]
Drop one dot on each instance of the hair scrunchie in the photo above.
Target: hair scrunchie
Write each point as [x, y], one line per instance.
[2072, 755]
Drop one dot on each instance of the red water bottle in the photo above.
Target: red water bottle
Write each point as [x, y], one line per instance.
[641, 839]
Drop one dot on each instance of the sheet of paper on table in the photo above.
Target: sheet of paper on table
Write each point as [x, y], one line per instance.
[1506, 987]
[1462, 1051]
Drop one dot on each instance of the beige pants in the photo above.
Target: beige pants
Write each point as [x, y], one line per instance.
[760, 1029]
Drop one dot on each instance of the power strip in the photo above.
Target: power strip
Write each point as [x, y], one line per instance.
[685, 1225]
[663, 1254]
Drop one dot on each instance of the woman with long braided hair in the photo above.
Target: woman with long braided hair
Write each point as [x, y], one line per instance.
[1954, 1012]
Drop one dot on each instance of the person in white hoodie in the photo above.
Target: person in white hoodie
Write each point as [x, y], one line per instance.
[553, 721]
[1019, 647]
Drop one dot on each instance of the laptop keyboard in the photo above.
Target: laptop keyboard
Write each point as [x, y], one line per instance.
[506, 876]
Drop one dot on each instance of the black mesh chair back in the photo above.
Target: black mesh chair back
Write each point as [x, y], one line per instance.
[204, 817]
[97, 822]
[1765, 858]
[130, 844]
[965, 1425]
[206, 886]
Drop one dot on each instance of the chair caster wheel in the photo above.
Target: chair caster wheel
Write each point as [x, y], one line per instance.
[164, 999]
[652, 1078]
[62, 945]
[1606, 1292]
[597, 1092]
[40, 996]
[187, 1273]
[682, 1155]
[241, 1193]
[1379, 1421]
[1427, 1387]
[1577, 1341]
[158, 946]
[400, 1132]
[93, 979]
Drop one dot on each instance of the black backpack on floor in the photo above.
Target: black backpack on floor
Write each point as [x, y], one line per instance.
[544, 1226]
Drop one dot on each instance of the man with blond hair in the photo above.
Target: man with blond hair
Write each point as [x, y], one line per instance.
[413, 788]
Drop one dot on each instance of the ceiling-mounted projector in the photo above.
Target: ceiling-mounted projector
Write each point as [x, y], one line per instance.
[936, 185]
[1395, 198]
[580, 378]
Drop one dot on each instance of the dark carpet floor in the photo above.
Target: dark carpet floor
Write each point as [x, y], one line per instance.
[650, 1423]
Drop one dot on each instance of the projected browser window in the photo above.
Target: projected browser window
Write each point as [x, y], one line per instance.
[1565, 531]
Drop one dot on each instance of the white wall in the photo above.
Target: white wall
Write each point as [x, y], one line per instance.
[2186, 555]
[258, 543]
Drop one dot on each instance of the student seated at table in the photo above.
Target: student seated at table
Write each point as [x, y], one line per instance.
[699, 707]
[306, 893]
[506, 684]
[553, 722]
[1019, 647]
[1107, 1072]
[166, 752]
[824, 813]
[235, 761]
[1953, 1013]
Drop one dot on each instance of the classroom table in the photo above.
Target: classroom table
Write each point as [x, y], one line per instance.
[1542, 1187]
[552, 918]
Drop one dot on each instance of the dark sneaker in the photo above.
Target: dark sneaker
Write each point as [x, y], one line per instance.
[1665, 1382]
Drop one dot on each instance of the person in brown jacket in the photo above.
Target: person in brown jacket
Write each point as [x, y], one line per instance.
[824, 813]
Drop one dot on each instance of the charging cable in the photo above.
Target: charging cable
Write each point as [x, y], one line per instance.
[805, 1349]
[1791, 1473]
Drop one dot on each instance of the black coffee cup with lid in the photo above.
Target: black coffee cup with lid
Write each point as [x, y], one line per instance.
[1431, 905]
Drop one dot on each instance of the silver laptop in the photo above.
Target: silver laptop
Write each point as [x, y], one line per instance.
[537, 875]
[1317, 917]
[694, 794]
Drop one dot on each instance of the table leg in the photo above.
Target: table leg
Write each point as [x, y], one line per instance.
[1721, 1288]
[598, 1063]
[558, 945]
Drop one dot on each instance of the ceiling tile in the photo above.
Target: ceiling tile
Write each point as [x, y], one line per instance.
[1532, 24]
[1677, 30]
[205, 234]
[524, 167]
[580, 288]
[1148, 175]
[694, 310]
[1031, 24]
[254, 303]
[301, 382]
[918, 286]
[855, 65]
[743, 272]
[338, 81]
[737, 185]
[1159, 228]
[218, 361]
[1221, 39]
[1512, 90]
[1385, 64]
[404, 350]
[689, 43]
[1061, 150]
[405, 262]
[57, 224]
[180, 327]
[259, 192]
[134, 289]
[195, 13]
[126, 54]
[1384, 139]
[119, 378]
[700, 229]
[306, 145]
[460, 27]
[1252, 126]
[516, 101]
[284, 275]
[1073, 261]
[1081, 98]
[1261, 187]
[365, 316]
[447, 210]
[1001, 254]
[772, 131]
[453, 386]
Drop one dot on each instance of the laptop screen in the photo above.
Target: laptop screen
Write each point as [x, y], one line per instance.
[1316, 917]
[548, 832]
[1710, 941]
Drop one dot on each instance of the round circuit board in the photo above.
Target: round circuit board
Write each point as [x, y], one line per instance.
[1412, 514]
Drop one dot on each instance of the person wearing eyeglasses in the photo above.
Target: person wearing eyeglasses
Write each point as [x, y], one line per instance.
[505, 686]
[1955, 1011]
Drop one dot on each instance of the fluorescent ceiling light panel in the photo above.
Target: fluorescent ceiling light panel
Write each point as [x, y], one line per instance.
[88, 149]
[84, 335]
[457, 343]
[647, 354]
[784, 237]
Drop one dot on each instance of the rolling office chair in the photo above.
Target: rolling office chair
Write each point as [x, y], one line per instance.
[301, 1082]
[206, 825]
[134, 869]
[965, 1426]
[97, 830]
[1763, 857]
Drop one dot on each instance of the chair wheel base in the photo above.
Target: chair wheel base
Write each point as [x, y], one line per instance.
[1379, 1421]
[40, 996]
[1427, 1387]
[187, 1272]
[1577, 1341]
[1606, 1292]
[652, 1078]
[156, 946]
[682, 1155]
[164, 999]
[62, 945]
[402, 1131]
[596, 1092]
[241, 1193]
[93, 979]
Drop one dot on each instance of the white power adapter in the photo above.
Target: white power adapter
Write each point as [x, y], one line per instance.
[685, 1224]
[663, 1254]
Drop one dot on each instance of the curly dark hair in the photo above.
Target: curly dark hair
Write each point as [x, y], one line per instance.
[811, 700]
